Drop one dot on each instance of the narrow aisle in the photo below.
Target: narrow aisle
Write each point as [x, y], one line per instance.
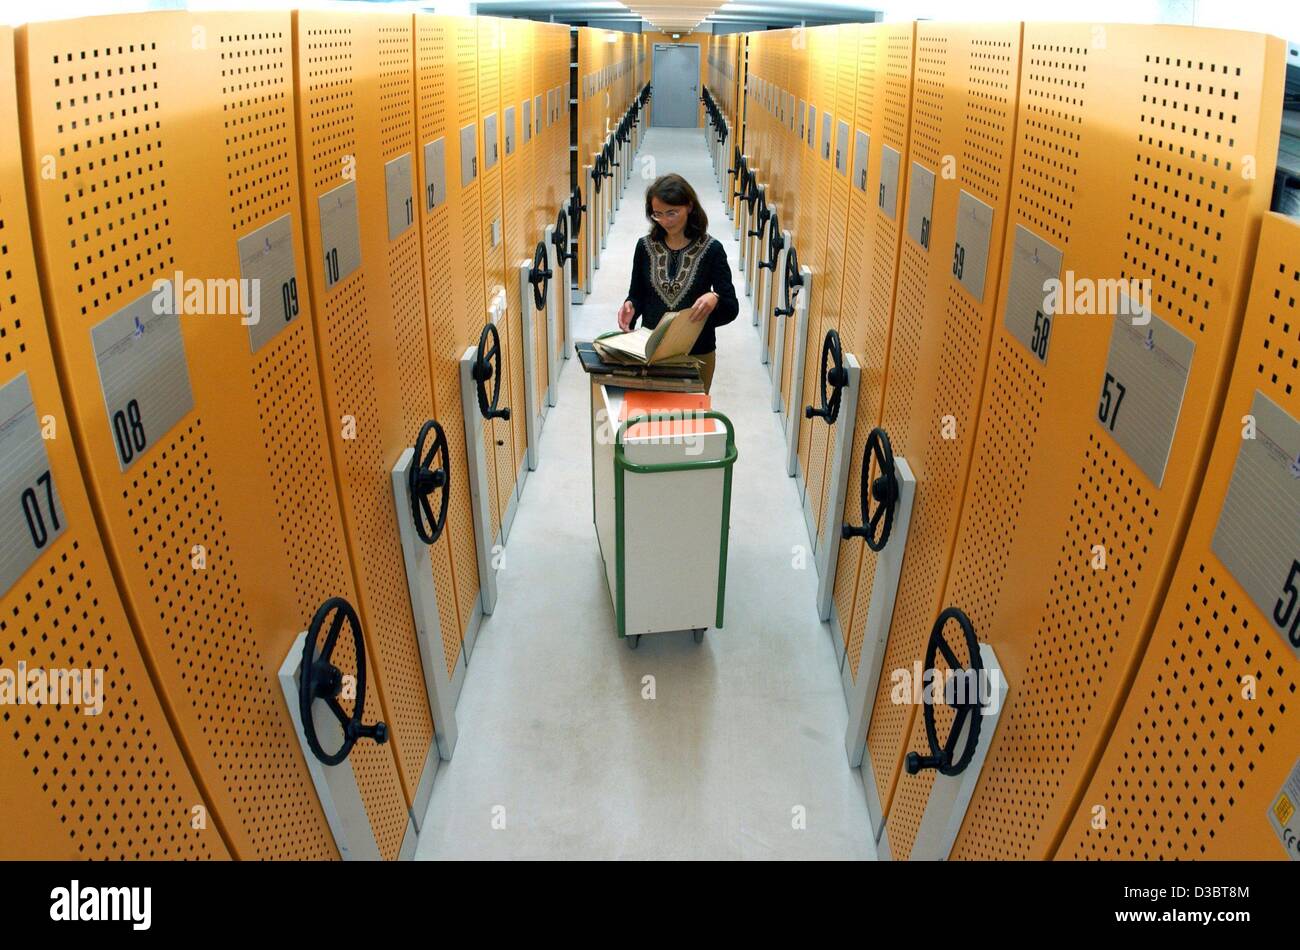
[744, 733]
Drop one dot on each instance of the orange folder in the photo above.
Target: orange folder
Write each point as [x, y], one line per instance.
[685, 407]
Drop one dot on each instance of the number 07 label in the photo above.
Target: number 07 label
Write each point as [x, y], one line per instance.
[1258, 534]
[31, 516]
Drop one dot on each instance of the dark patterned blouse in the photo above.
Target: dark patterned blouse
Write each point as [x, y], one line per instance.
[661, 284]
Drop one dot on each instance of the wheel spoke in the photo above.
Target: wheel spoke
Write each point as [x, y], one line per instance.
[958, 722]
[948, 654]
[332, 637]
[339, 713]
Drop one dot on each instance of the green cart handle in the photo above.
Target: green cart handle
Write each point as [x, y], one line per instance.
[642, 469]
[622, 465]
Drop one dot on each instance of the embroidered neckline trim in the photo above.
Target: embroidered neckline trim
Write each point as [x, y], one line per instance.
[672, 290]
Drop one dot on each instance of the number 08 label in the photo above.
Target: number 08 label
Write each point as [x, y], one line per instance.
[1258, 535]
[143, 375]
[31, 517]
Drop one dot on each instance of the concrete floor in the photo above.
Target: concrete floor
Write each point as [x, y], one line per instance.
[746, 731]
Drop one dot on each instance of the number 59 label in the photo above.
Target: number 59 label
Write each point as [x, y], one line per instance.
[31, 516]
[1258, 534]
[143, 375]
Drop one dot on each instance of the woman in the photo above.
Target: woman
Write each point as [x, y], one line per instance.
[678, 266]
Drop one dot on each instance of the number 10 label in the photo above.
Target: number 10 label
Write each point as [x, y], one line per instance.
[1258, 534]
[340, 232]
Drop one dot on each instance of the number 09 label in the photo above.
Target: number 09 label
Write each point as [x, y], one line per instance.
[143, 375]
[1258, 534]
[266, 261]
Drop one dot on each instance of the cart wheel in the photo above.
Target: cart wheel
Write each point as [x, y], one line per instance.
[634, 641]
[698, 634]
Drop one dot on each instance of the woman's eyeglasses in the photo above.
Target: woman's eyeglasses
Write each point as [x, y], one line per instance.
[665, 215]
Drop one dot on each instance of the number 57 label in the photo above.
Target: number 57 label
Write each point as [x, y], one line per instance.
[1142, 388]
[1258, 534]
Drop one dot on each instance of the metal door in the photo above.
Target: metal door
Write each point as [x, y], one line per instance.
[677, 85]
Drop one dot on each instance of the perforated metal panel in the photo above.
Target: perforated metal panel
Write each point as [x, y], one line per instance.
[813, 219]
[356, 87]
[498, 434]
[881, 114]
[129, 111]
[841, 98]
[453, 281]
[1208, 733]
[515, 70]
[963, 102]
[80, 780]
[1050, 480]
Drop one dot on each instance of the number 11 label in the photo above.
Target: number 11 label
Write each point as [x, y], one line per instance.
[400, 195]
[1258, 534]
[143, 375]
[31, 516]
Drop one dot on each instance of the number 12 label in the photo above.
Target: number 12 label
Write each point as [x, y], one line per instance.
[31, 516]
[1258, 534]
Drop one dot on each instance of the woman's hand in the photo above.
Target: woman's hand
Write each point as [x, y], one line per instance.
[703, 307]
[626, 314]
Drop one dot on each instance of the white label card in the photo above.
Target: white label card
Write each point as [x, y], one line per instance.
[491, 142]
[400, 194]
[267, 265]
[468, 155]
[1283, 816]
[970, 250]
[842, 148]
[887, 194]
[510, 130]
[861, 154]
[435, 174]
[340, 233]
[142, 373]
[1258, 535]
[920, 204]
[1143, 386]
[31, 515]
[812, 125]
[826, 136]
[526, 120]
[1028, 312]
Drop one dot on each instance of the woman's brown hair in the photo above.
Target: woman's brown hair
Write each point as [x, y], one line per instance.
[676, 192]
